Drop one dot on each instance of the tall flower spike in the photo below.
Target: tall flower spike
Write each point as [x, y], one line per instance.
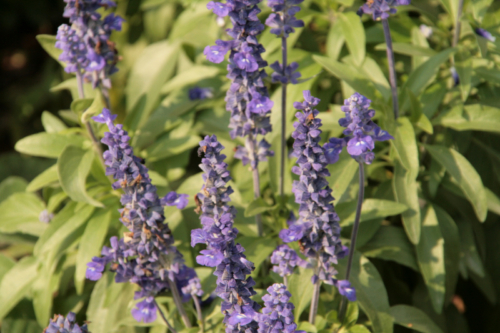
[59, 324]
[247, 99]
[145, 255]
[317, 228]
[381, 9]
[361, 132]
[218, 233]
[277, 314]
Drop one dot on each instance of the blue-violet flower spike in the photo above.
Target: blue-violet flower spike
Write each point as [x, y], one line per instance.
[59, 324]
[381, 9]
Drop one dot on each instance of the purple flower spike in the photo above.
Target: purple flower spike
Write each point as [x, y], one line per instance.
[277, 314]
[485, 34]
[317, 228]
[145, 255]
[234, 285]
[283, 21]
[381, 9]
[59, 324]
[145, 311]
[361, 132]
[285, 260]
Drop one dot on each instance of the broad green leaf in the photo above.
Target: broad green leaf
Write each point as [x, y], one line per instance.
[6, 263]
[493, 201]
[301, 288]
[43, 288]
[463, 66]
[191, 76]
[48, 43]
[465, 175]
[51, 123]
[350, 76]
[191, 186]
[20, 325]
[45, 178]
[358, 329]
[354, 35]
[72, 86]
[417, 116]
[169, 146]
[372, 209]
[485, 285]
[73, 167]
[258, 206]
[186, 27]
[391, 243]
[431, 258]
[469, 250]
[472, 117]
[335, 40]
[413, 318]
[451, 237]
[479, 8]
[341, 174]
[20, 212]
[93, 109]
[79, 105]
[408, 49]
[406, 192]
[351, 315]
[257, 249]
[16, 284]
[406, 147]
[370, 292]
[91, 244]
[47, 144]
[11, 185]
[418, 39]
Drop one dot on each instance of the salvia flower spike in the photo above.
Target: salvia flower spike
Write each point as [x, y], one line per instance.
[59, 324]
[145, 255]
[381, 9]
[234, 285]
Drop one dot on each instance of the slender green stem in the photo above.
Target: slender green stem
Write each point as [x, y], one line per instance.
[198, 312]
[354, 234]
[456, 35]
[314, 302]
[162, 315]
[178, 302]
[283, 119]
[250, 144]
[285, 281]
[392, 69]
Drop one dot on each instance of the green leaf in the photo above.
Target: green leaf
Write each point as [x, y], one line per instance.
[479, 8]
[465, 175]
[6, 263]
[335, 40]
[351, 315]
[413, 318]
[16, 284]
[301, 288]
[11, 185]
[94, 108]
[354, 35]
[73, 167]
[258, 206]
[472, 117]
[341, 174]
[406, 147]
[408, 49]
[391, 243]
[91, 244]
[431, 260]
[45, 178]
[167, 147]
[350, 76]
[493, 201]
[47, 144]
[51, 123]
[48, 43]
[417, 116]
[20, 214]
[469, 251]
[370, 292]
[358, 329]
[257, 249]
[406, 192]
[79, 105]
[372, 209]
[192, 75]
[463, 65]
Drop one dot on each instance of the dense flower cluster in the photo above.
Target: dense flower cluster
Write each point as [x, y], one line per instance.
[87, 49]
[247, 99]
[381, 9]
[197, 93]
[145, 255]
[361, 132]
[59, 324]
[285, 260]
[277, 314]
[485, 34]
[317, 228]
[218, 233]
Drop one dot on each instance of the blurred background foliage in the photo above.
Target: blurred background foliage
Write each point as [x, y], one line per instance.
[430, 225]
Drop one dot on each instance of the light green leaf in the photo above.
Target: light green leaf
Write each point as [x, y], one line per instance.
[258, 206]
[413, 318]
[341, 174]
[257, 249]
[16, 284]
[372, 209]
[406, 192]
[167, 146]
[19, 213]
[73, 167]
[47, 144]
[408, 49]
[463, 66]
[45, 178]
[6, 263]
[192, 75]
[48, 43]
[417, 116]
[469, 250]
[465, 175]
[51, 123]
[334, 41]
[93, 109]
[91, 244]
[472, 117]
[493, 201]
[11, 185]
[191, 186]
[79, 105]
[301, 288]
[370, 292]
[431, 260]
[391, 243]
[479, 8]
[358, 329]
[354, 35]
[406, 147]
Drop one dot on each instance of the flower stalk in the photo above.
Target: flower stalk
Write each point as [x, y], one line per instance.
[392, 68]
[162, 315]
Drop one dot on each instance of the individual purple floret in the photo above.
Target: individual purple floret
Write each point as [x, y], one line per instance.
[485, 34]
[289, 76]
[454, 75]
[145, 255]
[277, 314]
[45, 216]
[247, 99]
[381, 9]
[361, 132]
[198, 93]
[283, 21]
[218, 233]
[59, 324]
[317, 228]
[285, 260]
[145, 310]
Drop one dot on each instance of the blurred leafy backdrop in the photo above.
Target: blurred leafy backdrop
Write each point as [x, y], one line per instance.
[430, 227]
